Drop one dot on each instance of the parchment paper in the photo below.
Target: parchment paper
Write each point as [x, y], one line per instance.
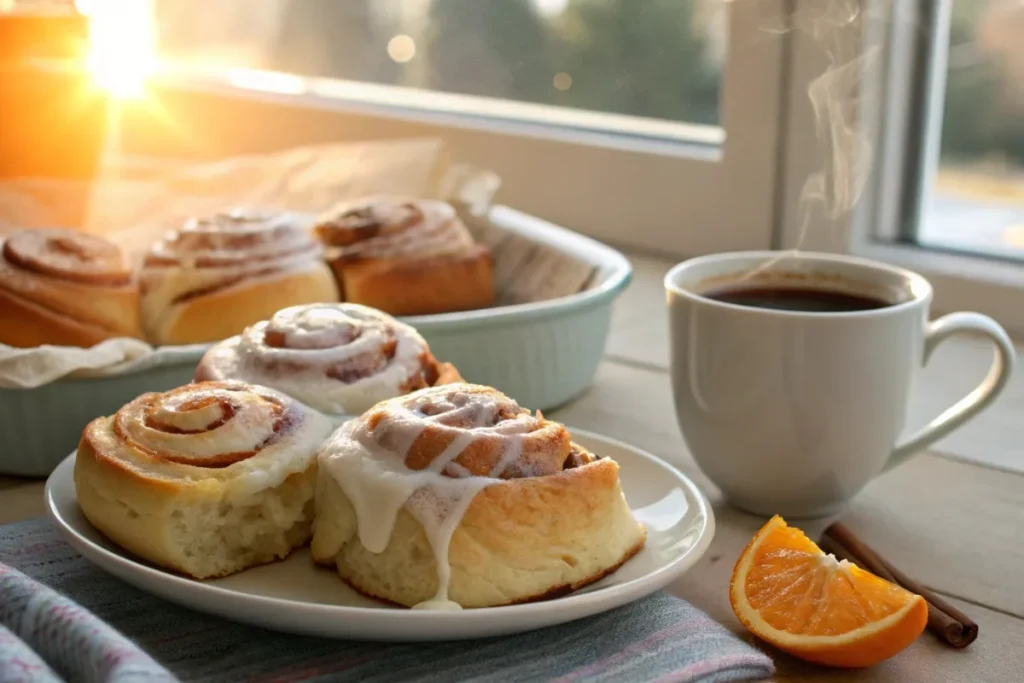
[135, 204]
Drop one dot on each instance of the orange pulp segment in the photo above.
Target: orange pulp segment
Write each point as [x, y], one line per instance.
[789, 593]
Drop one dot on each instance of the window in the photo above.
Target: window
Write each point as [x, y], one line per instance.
[976, 199]
[660, 60]
[638, 123]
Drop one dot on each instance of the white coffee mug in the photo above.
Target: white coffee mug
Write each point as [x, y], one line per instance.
[794, 411]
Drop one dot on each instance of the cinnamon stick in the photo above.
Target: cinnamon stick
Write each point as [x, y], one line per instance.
[946, 621]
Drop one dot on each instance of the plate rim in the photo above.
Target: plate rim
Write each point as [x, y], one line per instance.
[605, 599]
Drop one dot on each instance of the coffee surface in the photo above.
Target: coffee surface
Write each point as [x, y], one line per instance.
[796, 299]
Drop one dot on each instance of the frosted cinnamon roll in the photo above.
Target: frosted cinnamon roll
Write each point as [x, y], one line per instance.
[454, 496]
[207, 479]
[213, 277]
[64, 288]
[338, 358]
[406, 256]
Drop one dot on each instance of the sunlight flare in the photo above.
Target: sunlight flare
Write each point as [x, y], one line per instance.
[122, 44]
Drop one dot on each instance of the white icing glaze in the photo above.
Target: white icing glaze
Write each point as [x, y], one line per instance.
[249, 427]
[410, 228]
[177, 413]
[370, 469]
[318, 337]
[237, 239]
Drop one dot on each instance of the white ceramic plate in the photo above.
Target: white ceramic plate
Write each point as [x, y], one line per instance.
[298, 597]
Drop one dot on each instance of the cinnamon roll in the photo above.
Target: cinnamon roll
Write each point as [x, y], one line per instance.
[406, 256]
[207, 479]
[64, 288]
[215, 276]
[454, 496]
[338, 358]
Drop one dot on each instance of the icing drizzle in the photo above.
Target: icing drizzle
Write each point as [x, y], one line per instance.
[394, 227]
[338, 358]
[380, 464]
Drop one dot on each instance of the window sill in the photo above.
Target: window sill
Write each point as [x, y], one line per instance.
[961, 281]
[450, 110]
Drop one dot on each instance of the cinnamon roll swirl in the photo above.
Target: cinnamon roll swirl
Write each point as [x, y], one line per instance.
[64, 288]
[207, 479]
[455, 496]
[338, 358]
[406, 256]
[213, 277]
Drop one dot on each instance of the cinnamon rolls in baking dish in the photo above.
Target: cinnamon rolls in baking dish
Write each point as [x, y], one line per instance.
[406, 256]
[454, 496]
[207, 479]
[216, 275]
[213, 277]
[65, 288]
[340, 359]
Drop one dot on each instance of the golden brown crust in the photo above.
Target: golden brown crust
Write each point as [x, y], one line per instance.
[447, 374]
[24, 324]
[226, 312]
[406, 256]
[45, 300]
[420, 287]
[92, 458]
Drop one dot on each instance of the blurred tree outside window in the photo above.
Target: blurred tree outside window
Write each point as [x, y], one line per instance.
[977, 201]
[657, 58]
[984, 111]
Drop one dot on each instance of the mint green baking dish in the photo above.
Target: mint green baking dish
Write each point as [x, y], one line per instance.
[40, 426]
[541, 354]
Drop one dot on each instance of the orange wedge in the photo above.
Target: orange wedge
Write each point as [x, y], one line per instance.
[813, 606]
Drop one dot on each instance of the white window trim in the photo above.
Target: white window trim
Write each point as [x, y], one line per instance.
[891, 201]
[652, 190]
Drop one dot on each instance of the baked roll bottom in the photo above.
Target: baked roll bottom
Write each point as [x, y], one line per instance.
[218, 314]
[190, 533]
[442, 284]
[520, 540]
[25, 323]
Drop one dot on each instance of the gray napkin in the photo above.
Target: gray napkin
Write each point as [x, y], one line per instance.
[659, 638]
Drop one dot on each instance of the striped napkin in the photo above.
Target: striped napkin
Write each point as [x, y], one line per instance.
[58, 616]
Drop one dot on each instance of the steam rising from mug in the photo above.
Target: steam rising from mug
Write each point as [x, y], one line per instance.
[836, 97]
[836, 100]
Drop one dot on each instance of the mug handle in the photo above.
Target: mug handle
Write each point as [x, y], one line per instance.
[974, 402]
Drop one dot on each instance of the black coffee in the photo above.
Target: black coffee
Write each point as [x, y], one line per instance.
[796, 299]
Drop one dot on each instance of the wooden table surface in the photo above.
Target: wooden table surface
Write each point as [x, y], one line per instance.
[953, 517]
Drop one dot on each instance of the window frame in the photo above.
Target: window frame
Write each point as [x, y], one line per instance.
[680, 197]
